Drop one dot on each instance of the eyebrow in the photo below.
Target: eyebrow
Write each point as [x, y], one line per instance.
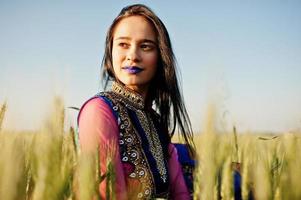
[143, 40]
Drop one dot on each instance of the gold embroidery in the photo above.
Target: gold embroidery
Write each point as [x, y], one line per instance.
[136, 101]
[130, 97]
[131, 144]
[154, 142]
[130, 152]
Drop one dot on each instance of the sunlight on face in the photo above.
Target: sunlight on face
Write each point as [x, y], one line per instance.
[135, 53]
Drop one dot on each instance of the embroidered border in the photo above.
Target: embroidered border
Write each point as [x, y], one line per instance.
[135, 102]
[128, 149]
[130, 97]
[154, 143]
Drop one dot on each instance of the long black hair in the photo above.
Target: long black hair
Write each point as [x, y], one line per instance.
[164, 89]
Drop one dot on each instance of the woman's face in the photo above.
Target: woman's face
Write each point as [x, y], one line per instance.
[135, 53]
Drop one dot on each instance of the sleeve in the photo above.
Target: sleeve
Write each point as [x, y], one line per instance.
[178, 188]
[98, 129]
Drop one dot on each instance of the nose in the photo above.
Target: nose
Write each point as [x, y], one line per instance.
[133, 54]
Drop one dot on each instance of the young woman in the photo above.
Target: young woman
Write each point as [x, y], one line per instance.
[132, 123]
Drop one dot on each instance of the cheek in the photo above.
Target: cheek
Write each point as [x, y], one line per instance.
[117, 57]
[114, 57]
[153, 62]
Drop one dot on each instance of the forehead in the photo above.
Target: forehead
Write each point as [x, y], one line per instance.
[134, 27]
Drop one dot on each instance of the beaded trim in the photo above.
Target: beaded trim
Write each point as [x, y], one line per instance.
[135, 100]
[154, 143]
[131, 149]
[130, 97]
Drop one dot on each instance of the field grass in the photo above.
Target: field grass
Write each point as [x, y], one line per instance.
[45, 164]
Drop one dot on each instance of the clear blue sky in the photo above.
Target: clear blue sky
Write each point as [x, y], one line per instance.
[246, 55]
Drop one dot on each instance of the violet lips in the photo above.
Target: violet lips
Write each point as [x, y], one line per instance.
[132, 69]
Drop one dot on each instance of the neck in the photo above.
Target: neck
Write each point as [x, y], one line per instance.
[141, 90]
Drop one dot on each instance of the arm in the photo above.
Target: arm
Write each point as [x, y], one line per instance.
[178, 189]
[98, 128]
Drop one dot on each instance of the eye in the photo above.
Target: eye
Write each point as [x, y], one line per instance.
[147, 47]
[123, 45]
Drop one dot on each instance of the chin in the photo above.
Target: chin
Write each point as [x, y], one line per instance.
[133, 82]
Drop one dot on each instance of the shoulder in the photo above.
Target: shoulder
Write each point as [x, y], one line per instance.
[99, 99]
[97, 105]
[172, 150]
[96, 124]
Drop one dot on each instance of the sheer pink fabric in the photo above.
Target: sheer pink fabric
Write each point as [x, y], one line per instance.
[98, 126]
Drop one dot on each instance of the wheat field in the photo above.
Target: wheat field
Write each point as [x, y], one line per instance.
[47, 164]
